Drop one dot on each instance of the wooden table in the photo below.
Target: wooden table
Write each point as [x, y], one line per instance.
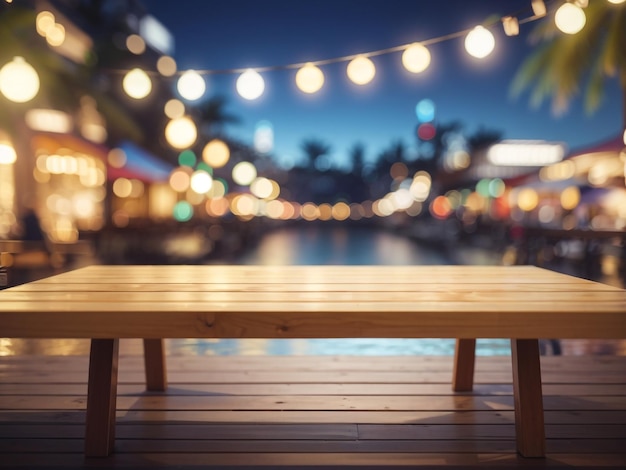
[106, 303]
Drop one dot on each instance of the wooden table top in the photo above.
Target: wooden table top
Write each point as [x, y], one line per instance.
[313, 301]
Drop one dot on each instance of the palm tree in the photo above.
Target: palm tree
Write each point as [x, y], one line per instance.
[313, 149]
[213, 116]
[564, 62]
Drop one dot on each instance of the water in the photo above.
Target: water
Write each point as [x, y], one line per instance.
[339, 245]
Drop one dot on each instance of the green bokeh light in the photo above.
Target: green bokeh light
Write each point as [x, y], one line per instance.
[187, 158]
[183, 211]
[204, 167]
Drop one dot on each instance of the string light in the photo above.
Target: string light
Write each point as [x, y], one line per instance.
[416, 58]
[191, 85]
[309, 78]
[570, 18]
[19, 81]
[181, 133]
[250, 85]
[539, 8]
[479, 42]
[510, 25]
[361, 70]
[137, 84]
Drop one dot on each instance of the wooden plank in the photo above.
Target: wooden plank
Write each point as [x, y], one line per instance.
[305, 320]
[101, 398]
[324, 389]
[402, 286]
[570, 417]
[314, 402]
[527, 394]
[464, 359]
[154, 364]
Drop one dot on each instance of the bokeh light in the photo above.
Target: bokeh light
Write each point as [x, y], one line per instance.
[426, 131]
[116, 158]
[55, 36]
[135, 44]
[166, 66]
[440, 207]
[416, 58]
[244, 173]
[187, 158]
[181, 133]
[261, 187]
[479, 42]
[201, 182]
[191, 85]
[527, 199]
[309, 78]
[7, 154]
[183, 211]
[137, 84]
[250, 85]
[216, 153]
[174, 108]
[44, 22]
[264, 137]
[425, 110]
[361, 70]
[19, 81]
[570, 18]
[180, 179]
[570, 198]
[122, 187]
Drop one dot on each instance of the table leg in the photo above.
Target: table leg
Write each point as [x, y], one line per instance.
[154, 362]
[101, 397]
[464, 358]
[529, 427]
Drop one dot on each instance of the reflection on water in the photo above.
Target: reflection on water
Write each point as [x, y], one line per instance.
[329, 245]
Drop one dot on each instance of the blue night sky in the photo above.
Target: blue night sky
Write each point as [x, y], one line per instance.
[238, 34]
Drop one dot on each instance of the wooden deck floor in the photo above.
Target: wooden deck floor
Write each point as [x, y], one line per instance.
[315, 412]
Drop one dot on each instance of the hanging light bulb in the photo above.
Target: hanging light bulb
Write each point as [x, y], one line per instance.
[570, 18]
[309, 78]
[181, 133]
[416, 58]
[191, 85]
[361, 70]
[510, 24]
[539, 8]
[479, 42]
[7, 152]
[137, 84]
[250, 85]
[19, 81]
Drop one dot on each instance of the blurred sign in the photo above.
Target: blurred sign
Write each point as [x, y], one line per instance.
[525, 153]
[156, 35]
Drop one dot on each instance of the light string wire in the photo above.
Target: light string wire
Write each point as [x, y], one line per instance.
[347, 58]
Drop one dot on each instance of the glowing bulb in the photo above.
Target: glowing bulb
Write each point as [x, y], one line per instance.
[191, 85]
[174, 109]
[416, 58]
[570, 18]
[479, 42]
[616, 2]
[250, 85]
[244, 173]
[181, 133]
[309, 78]
[135, 44]
[201, 182]
[55, 36]
[166, 66]
[361, 70]
[216, 153]
[7, 154]
[137, 84]
[19, 81]
[44, 22]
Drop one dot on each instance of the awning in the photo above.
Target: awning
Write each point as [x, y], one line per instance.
[141, 165]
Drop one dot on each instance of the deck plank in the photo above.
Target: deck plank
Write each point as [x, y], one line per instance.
[315, 411]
